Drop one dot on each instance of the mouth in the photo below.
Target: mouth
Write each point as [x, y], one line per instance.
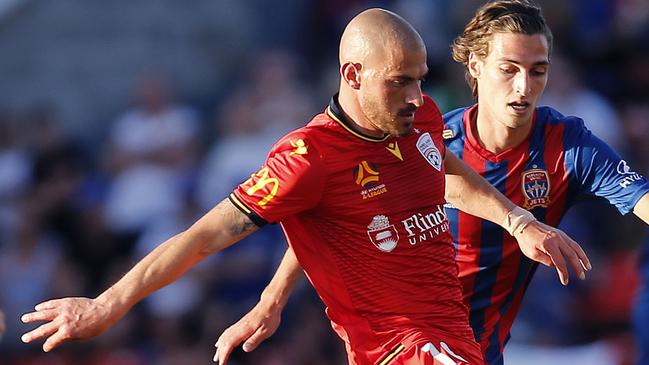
[407, 113]
[519, 107]
[408, 116]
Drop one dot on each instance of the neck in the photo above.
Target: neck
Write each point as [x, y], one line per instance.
[350, 106]
[497, 137]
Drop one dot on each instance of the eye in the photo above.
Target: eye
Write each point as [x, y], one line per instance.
[508, 70]
[539, 71]
[400, 82]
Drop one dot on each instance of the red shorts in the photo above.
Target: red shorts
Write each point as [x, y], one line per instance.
[429, 354]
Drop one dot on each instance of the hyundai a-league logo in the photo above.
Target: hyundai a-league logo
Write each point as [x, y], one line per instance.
[536, 188]
[366, 174]
[383, 234]
[628, 176]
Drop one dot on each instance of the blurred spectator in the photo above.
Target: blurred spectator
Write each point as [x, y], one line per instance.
[152, 152]
[264, 108]
[3, 326]
[635, 118]
[15, 166]
[28, 263]
[567, 93]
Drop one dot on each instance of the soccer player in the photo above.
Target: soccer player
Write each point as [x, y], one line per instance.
[537, 157]
[359, 192]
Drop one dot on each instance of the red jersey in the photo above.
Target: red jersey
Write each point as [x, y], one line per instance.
[366, 220]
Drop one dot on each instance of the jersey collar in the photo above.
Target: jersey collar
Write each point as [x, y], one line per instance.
[469, 118]
[335, 112]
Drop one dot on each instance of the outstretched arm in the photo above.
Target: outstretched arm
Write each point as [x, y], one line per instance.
[470, 193]
[262, 321]
[82, 318]
[641, 208]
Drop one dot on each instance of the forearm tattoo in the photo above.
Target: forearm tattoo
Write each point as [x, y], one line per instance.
[237, 223]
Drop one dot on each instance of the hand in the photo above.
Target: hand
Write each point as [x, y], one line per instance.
[67, 319]
[552, 247]
[256, 326]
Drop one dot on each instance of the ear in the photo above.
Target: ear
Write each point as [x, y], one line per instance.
[474, 65]
[351, 74]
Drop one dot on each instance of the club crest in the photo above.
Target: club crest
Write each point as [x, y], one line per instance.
[536, 188]
[427, 148]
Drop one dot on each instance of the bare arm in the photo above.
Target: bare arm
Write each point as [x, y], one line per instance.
[82, 318]
[641, 209]
[470, 193]
[262, 321]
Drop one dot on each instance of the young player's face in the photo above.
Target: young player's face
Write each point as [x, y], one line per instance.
[512, 77]
[390, 92]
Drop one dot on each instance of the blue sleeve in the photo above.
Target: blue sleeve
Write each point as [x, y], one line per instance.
[599, 170]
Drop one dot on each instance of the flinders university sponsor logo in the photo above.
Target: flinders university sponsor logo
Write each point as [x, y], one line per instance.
[383, 234]
[366, 175]
[424, 226]
[629, 176]
[536, 188]
[427, 148]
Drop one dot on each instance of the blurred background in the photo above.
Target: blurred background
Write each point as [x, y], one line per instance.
[121, 122]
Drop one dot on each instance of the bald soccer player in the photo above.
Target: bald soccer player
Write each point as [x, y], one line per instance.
[536, 156]
[359, 192]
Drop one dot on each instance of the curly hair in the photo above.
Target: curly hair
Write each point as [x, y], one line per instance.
[499, 16]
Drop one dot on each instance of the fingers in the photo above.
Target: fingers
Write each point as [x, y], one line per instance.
[56, 339]
[569, 252]
[50, 304]
[583, 258]
[557, 259]
[564, 251]
[258, 337]
[45, 315]
[44, 330]
[229, 339]
[222, 353]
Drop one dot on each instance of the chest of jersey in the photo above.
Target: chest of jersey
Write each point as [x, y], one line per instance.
[393, 189]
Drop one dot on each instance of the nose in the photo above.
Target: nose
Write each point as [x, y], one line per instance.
[522, 83]
[415, 96]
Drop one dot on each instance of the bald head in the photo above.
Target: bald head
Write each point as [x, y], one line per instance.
[382, 63]
[373, 34]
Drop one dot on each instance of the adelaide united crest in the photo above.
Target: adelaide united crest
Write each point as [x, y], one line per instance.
[536, 188]
[383, 234]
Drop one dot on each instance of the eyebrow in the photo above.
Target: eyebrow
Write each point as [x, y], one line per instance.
[409, 78]
[539, 63]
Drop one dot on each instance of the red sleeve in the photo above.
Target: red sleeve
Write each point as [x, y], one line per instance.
[291, 181]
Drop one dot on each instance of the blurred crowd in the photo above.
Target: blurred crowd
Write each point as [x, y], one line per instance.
[75, 213]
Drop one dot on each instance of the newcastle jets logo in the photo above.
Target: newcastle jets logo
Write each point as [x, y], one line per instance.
[536, 188]
[427, 148]
[383, 234]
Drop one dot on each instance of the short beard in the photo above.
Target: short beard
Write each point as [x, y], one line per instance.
[378, 120]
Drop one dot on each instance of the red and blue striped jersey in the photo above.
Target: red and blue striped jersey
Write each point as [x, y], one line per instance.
[559, 161]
